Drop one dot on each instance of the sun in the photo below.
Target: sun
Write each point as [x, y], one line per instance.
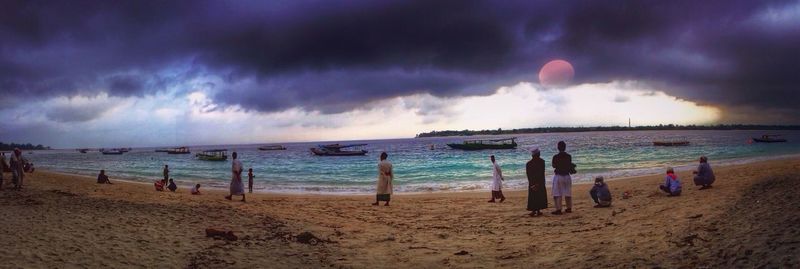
[556, 73]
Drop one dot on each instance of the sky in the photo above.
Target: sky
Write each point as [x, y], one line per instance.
[164, 73]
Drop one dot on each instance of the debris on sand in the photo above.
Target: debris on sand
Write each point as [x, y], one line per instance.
[221, 234]
[308, 238]
[461, 253]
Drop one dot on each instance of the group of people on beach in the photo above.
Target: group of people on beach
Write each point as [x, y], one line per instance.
[562, 182]
[561, 188]
[17, 165]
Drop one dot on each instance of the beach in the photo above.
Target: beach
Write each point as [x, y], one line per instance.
[746, 220]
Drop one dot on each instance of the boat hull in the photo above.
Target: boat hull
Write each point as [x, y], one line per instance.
[212, 158]
[482, 146]
[670, 144]
[112, 152]
[761, 140]
[271, 148]
[320, 152]
[178, 152]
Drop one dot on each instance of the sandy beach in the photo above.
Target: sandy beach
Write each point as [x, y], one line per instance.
[747, 220]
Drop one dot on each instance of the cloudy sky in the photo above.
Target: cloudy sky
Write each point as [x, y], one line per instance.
[157, 73]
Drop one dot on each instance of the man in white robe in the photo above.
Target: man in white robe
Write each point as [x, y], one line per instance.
[385, 177]
[237, 186]
[497, 182]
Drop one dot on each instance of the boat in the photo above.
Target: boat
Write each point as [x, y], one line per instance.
[671, 143]
[480, 144]
[213, 155]
[82, 150]
[162, 150]
[770, 139]
[111, 151]
[123, 149]
[179, 150]
[336, 150]
[272, 147]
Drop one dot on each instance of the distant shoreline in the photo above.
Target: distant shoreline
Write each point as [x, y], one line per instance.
[669, 127]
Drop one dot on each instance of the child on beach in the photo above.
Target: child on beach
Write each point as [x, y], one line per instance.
[172, 187]
[497, 182]
[159, 184]
[102, 178]
[600, 193]
[672, 184]
[196, 189]
[250, 177]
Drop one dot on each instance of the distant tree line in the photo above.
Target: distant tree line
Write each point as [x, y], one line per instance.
[29, 146]
[608, 128]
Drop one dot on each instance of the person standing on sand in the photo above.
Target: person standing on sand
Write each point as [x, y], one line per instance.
[704, 175]
[537, 193]
[385, 177]
[562, 181]
[3, 167]
[166, 173]
[237, 187]
[250, 177]
[497, 181]
[17, 163]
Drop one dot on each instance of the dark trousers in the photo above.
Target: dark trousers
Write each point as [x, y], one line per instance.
[593, 193]
[498, 195]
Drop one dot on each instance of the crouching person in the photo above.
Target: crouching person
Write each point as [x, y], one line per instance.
[600, 193]
[672, 184]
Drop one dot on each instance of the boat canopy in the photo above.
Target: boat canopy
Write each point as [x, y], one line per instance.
[216, 150]
[491, 140]
[337, 146]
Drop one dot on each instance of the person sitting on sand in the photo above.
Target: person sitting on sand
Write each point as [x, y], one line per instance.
[704, 175]
[600, 193]
[672, 184]
[237, 187]
[562, 181]
[385, 177]
[196, 189]
[537, 193]
[159, 184]
[497, 182]
[172, 187]
[102, 178]
[250, 177]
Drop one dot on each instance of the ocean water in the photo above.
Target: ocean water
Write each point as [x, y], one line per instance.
[419, 169]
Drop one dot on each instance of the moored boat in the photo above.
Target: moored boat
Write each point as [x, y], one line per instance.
[111, 151]
[213, 155]
[670, 143]
[481, 144]
[179, 150]
[82, 150]
[272, 147]
[770, 139]
[337, 150]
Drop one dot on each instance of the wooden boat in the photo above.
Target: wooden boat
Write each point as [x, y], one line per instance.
[124, 149]
[111, 151]
[770, 139]
[671, 143]
[503, 143]
[82, 150]
[336, 150]
[179, 150]
[213, 155]
[272, 147]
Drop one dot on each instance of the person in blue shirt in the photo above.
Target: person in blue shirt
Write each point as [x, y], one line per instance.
[600, 193]
[704, 176]
[672, 184]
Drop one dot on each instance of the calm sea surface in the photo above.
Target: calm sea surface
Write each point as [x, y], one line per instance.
[420, 169]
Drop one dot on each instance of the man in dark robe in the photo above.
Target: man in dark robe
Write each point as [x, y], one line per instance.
[537, 193]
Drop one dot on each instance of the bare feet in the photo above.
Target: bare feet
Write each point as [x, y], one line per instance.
[557, 212]
[375, 203]
[227, 197]
[491, 201]
[386, 204]
[502, 199]
[569, 210]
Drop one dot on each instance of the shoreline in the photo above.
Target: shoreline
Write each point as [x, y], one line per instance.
[678, 168]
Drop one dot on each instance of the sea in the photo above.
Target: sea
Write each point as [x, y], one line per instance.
[427, 164]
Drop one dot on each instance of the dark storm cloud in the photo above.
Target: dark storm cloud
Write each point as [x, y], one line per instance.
[337, 56]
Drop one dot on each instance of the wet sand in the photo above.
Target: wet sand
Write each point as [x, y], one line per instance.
[747, 220]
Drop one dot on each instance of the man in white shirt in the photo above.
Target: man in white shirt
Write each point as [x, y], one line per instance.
[497, 182]
[237, 186]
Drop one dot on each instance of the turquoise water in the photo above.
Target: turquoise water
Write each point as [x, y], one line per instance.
[419, 169]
